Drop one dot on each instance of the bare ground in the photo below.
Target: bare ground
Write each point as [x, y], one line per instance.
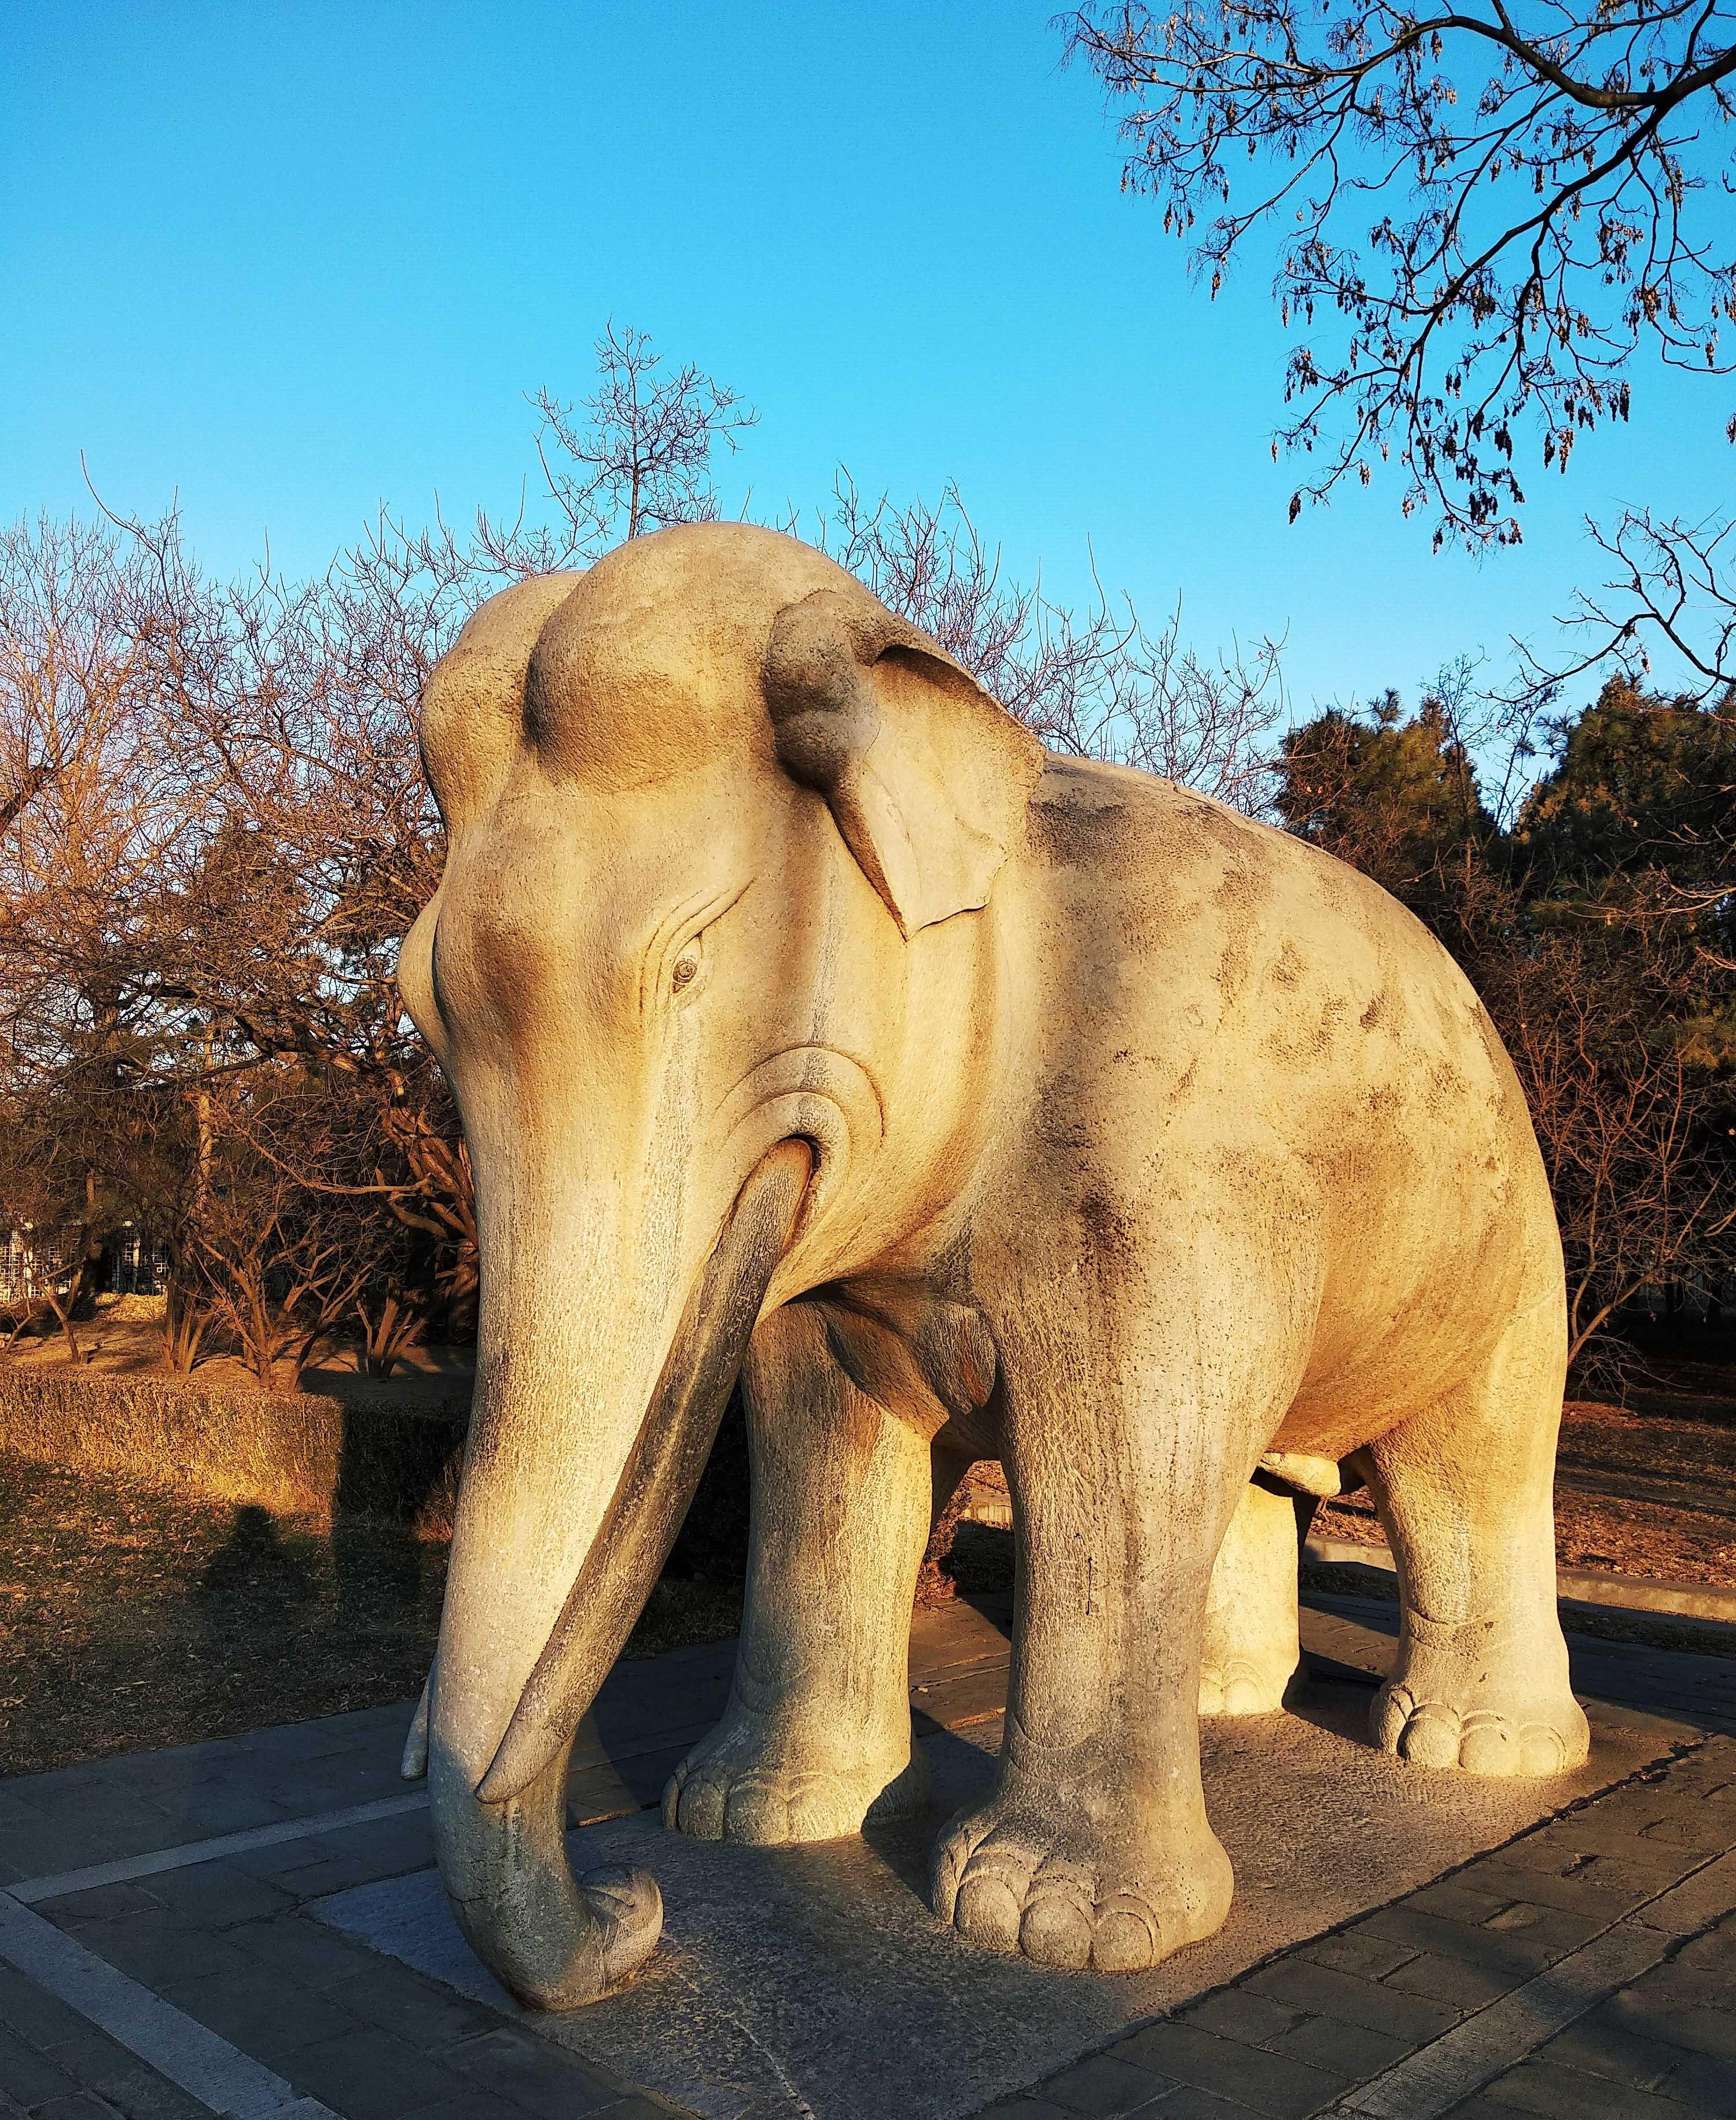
[1635, 1493]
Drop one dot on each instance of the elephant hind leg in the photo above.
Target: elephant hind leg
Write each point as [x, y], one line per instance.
[1466, 1491]
[1253, 1643]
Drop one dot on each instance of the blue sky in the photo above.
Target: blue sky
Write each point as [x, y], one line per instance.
[289, 261]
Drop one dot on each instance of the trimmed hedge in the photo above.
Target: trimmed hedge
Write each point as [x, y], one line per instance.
[295, 1453]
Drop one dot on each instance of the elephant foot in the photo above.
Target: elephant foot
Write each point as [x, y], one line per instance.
[1242, 1686]
[1463, 1710]
[1008, 1883]
[753, 1792]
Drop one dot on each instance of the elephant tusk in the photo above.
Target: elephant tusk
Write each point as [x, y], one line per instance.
[656, 1483]
[413, 1766]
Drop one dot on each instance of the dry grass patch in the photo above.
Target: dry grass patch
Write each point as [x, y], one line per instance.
[130, 1619]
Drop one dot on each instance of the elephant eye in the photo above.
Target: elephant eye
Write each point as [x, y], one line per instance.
[687, 969]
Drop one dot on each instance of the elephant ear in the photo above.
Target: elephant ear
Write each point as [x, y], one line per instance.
[926, 776]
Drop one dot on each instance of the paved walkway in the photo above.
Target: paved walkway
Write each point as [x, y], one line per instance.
[159, 1959]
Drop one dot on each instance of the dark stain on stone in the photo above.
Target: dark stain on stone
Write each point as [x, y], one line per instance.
[1067, 834]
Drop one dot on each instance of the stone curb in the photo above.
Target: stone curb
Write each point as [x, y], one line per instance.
[1583, 1586]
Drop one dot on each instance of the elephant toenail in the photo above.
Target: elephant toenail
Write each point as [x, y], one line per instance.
[1431, 1737]
[756, 1814]
[943, 1876]
[1541, 1750]
[1128, 1937]
[1394, 1708]
[987, 1913]
[701, 1815]
[1056, 1931]
[1490, 1746]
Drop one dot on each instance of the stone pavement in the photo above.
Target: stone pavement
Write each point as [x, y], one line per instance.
[163, 1954]
[1586, 1968]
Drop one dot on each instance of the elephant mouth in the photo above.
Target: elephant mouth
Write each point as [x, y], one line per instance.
[662, 1469]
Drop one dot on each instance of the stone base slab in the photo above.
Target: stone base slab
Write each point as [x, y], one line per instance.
[815, 1981]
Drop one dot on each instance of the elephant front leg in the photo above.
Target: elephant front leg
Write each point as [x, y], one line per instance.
[1095, 1849]
[816, 1736]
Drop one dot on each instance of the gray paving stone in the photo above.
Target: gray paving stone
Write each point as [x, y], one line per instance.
[138, 2093]
[1591, 1891]
[80, 2105]
[529, 2073]
[1715, 1950]
[318, 1879]
[1451, 1982]
[1602, 2045]
[100, 1903]
[471, 2103]
[1702, 1833]
[89, 2054]
[1377, 2007]
[1352, 2051]
[1704, 2029]
[30, 2076]
[1687, 1907]
[1679, 1986]
[352, 1855]
[1494, 1950]
[98, 1809]
[1372, 1957]
[1626, 1842]
[1543, 2087]
[1708, 2081]
[1022, 2107]
[24, 1852]
[219, 1894]
[1103, 2085]
[1191, 2103]
[366, 2073]
[262, 2013]
[1240, 2013]
[1465, 1898]
[1543, 1850]
[428, 2014]
[1555, 1929]
[158, 1949]
[305, 1949]
[1270, 2084]
[29, 2010]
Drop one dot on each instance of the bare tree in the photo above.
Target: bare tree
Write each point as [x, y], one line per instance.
[1500, 210]
[1099, 686]
[214, 829]
[1639, 1158]
[644, 459]
[1668, 603]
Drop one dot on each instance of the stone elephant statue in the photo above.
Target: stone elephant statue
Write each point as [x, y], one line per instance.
[810, 1023]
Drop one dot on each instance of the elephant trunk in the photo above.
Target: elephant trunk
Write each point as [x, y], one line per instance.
[499, 1741]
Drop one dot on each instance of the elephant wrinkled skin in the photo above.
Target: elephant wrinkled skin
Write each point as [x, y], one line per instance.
[810, 1021]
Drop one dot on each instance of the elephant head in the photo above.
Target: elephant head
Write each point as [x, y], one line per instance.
[712, 812]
